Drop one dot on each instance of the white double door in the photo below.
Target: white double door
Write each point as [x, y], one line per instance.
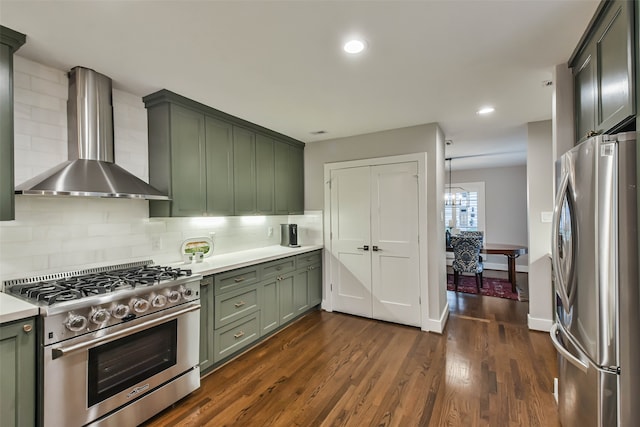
[375, 268]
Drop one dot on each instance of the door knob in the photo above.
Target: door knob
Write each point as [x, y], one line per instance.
[376, 249]
[365, 247]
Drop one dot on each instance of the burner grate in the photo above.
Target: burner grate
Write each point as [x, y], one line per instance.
[60, 287]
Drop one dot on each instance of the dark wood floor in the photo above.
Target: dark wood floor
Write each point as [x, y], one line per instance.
[331, 369]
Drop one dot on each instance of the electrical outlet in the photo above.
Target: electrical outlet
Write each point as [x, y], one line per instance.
[156, 243]
[269, 231]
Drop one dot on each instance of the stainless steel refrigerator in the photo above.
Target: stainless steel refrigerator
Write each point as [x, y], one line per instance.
[595, 257]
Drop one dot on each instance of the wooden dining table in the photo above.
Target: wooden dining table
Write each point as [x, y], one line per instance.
[510, 251]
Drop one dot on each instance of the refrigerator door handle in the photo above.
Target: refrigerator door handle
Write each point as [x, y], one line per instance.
[560, 283]
[564, 352]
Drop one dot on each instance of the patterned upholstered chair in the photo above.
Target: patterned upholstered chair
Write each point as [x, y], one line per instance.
[466, 250]
[474, 233]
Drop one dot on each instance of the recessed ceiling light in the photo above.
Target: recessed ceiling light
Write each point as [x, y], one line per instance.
[318, 132]
[354, 46]
[486, 110]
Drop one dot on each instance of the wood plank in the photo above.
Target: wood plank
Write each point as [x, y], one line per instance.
[331, 369]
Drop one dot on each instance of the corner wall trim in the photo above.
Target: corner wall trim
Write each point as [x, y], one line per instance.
[538, 324]
[437, 326]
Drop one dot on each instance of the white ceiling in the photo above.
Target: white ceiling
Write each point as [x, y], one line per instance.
[279, 63]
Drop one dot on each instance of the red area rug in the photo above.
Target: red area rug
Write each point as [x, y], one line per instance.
[491, 286]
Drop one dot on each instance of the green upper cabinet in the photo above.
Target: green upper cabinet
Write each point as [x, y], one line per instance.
[10, 41]
[211, 163]
[265, 178]
[189, 176]
[584, 76]
[244, 171]
[289, 179]
[603, 68]
[219, 147]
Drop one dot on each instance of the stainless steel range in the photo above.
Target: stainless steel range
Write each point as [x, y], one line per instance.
[118, 343]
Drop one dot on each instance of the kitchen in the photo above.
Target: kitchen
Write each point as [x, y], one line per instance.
[65, 233]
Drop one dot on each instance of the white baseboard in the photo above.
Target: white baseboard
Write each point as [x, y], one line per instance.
[437, 326]
[538, 324]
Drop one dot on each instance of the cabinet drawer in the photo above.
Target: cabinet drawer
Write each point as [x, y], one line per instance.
[231, 280]
[236, 336]
[278, 267]
[305, 260]
[233, 305]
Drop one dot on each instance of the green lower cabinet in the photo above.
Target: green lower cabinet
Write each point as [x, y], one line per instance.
[286, 298]
[314, 284]
[231, 306]
[235, 336]
[269, 313]
[300, 292]
[242, 305]
[18, 373]
[206, 323]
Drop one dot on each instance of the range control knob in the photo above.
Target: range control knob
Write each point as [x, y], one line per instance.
[99, 316]
[186, 292]
[139, 305]
[159, 301]
[120, 311]
[75, 322]
[173, 296]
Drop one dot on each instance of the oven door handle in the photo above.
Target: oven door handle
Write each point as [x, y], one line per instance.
[61, 351]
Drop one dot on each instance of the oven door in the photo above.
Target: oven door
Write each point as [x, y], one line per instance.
[90, 376]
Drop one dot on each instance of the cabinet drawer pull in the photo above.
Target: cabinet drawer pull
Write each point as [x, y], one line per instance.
[239, 335]
[279, 268]
[240, 304]
[239, 279]
[310, 268]
[27, 328]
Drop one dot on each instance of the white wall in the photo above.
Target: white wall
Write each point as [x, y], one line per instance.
[66, 233]
[539, 200]
[416, 139]
[505, 192]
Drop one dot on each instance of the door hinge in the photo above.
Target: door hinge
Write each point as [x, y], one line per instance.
[331, 235]
[331, 286]
[419, 300]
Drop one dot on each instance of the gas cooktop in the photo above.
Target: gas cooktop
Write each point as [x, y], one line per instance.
[72, 286]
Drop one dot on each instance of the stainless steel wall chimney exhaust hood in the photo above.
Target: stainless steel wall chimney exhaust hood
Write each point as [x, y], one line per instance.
[90, 170]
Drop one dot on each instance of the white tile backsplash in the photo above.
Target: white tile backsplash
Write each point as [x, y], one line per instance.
[68, 233]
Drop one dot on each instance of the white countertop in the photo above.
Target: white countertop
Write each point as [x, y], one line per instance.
[12, 308]
[225, 262]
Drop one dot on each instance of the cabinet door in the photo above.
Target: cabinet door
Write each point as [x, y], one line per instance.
[219, 166]
[314, 284]
[17, 376]
[188, 169]
[7, 207]
[585, 93]
[269, 307]
[283, 178]
[244, 171]
[296, 198]
[614, 44]
[300, 292]
[286, 298]
[265, 183]
[206, 323]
